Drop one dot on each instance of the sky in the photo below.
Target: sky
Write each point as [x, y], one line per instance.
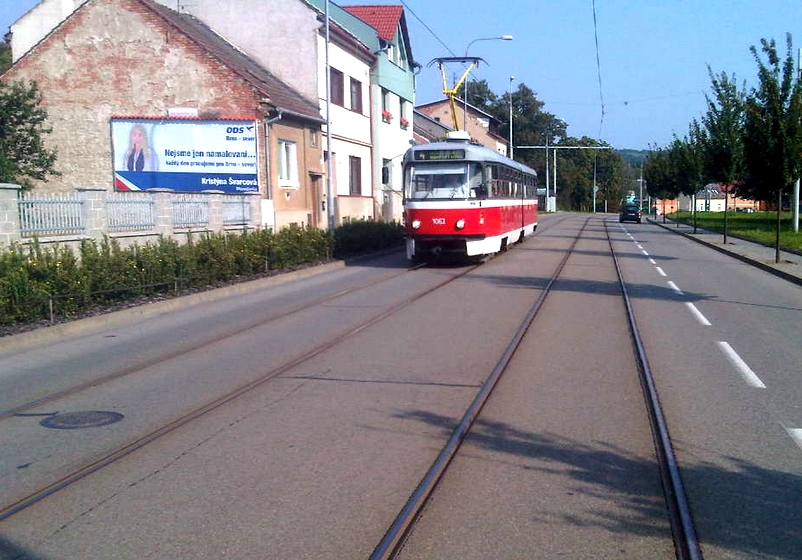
[646, 81]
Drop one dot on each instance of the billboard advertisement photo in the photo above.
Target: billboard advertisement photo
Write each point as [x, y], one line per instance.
[184, 155]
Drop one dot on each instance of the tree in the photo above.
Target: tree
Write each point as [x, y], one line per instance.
[532, 125]
[480, 95]
[688, 162]
[23, 155]
[579, 170]
[723, 141]
[5, 57]
[661, 181]
[773, 129]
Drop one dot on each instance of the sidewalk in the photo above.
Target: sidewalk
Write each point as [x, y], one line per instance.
[789, 267]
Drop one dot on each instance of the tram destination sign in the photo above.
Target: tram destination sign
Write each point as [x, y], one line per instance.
[439, 155]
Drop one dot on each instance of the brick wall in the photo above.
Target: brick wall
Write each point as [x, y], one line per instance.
[116, 58]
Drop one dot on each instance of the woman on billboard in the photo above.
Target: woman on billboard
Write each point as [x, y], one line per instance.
[139, 156]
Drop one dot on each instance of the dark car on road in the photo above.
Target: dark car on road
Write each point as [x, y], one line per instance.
[630, 212]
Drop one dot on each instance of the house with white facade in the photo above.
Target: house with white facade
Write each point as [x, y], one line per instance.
[37, 22]
[383, 29]
[394, 93]
[352, 145]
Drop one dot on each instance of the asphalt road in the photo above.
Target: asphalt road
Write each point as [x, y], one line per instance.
[723, 339]
[316, 462]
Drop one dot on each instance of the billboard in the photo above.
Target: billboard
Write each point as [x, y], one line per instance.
[184, 155]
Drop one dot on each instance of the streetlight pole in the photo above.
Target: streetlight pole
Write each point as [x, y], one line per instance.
[465, 101]
[330, 210]
[510, 91]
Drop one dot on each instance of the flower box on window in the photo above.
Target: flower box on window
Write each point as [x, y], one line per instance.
[403, 122]
[387, 116]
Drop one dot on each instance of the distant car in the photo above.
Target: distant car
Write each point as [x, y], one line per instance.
[630, 212]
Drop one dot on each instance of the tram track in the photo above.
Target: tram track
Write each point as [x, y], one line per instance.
[99, 381]
[126, 449]
[23, 407]
[198, 412]
[682, 526]
[686, 543]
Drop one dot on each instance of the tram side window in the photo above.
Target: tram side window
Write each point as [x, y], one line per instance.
[505, 183]
[514, 180]
[490, 179]
[476, 184]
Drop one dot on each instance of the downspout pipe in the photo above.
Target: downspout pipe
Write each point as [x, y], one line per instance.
[268, 122]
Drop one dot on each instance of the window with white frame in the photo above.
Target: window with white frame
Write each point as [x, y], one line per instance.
[355, 176]
[403, 119]
[385, 100]
[387, 115]
[287, 165]
[337, 83]
[356, 95]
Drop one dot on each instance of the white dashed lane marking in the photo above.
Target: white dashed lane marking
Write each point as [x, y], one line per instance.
[796, 435]
[746, 372]
[698, 314]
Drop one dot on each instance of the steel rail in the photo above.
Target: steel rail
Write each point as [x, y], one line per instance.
[683, 528]
[119, 453]
[394, 538]
[78, 474]
[91, 384]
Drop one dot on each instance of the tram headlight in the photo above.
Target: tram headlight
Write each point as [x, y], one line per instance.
[415, 224]
[460, 224]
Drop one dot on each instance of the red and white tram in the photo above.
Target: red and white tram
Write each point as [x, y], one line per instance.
[465, 199]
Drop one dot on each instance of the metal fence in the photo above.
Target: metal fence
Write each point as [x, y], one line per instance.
[93, 212]
[236, 210]
[51, 214]
[130, 212]
[190, 210]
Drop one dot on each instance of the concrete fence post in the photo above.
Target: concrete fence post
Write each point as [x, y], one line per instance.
[95, 211]
[215, 210]
[9, 214]
[163, 211]
[255, 201]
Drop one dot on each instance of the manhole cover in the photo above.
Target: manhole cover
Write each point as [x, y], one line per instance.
[80, 420]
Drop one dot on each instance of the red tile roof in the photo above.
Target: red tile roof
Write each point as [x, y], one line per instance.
[384, 18]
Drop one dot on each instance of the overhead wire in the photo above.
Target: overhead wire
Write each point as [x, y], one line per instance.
[429, 29]
[598, 66]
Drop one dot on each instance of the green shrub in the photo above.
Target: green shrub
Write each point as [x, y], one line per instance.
[33, 279]
[362, 236]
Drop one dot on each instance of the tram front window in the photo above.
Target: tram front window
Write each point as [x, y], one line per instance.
[441, 181]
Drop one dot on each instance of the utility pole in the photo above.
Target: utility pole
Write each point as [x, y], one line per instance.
[329, 185]
[511, 147]
[554, 165]
[796, 183]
